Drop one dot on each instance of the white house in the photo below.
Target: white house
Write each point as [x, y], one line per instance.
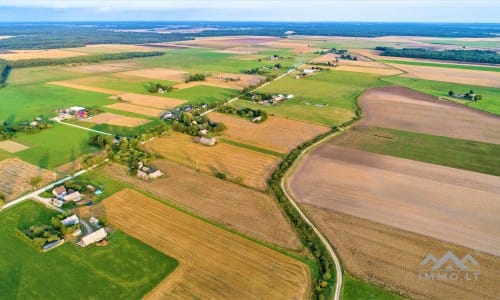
[93, 237]
[309, 71]
[71, 220]
[59, 191]
[75, 196]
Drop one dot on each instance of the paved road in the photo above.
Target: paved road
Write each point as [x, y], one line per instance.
[324, 240]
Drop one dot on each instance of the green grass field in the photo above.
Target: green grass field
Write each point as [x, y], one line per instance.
[337, 89]
[432, 64]
[455, 153]
[203, 94]
[56, 146]
[462, 43]
[4, 154]
[123, 83]
[491, 96]
[21, 103]
[355, 289]
[23, 76]
[126, 268]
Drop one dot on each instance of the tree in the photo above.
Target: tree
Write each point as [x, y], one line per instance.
[451, 93]
[35, 181]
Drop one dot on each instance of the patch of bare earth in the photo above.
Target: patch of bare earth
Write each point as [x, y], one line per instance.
[276, 134]
[78, 86]
[118, 120]
[449, 204]
[151, 101]
[42, 54]
[12, 147]
[404, 109]
[157, 73]
[214, 263]
[239, 208]
[143, 110]
[102, 68]
[225, 80]
[15, 176]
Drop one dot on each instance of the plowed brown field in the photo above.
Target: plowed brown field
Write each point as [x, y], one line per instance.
[214, 264]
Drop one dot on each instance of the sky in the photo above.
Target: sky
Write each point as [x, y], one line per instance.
[473, 11]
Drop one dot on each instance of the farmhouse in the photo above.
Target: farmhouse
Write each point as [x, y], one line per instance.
[59, 191]
[309, 71]
[148, 173]
[71, 220]
[74, 196]
[93, 237]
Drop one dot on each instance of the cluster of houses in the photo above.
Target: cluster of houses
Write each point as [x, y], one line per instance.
[73, 112]
[92, 237]
[172, 115]
[63, 195]
[148, 173]
[275, 99]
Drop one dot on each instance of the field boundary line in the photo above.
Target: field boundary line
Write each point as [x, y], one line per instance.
[81, 127]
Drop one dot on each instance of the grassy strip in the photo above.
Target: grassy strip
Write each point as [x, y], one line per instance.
[254, 148]
[431, 64]
[456, 153]
[355, 289]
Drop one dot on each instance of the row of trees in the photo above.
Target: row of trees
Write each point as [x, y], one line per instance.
[7, 131]
[26, 63]
[191, 124]
[470, 95]
[157, 87]
[246, 112]
[4, 72]
[324, 284]
[196, 77]
[477, 56]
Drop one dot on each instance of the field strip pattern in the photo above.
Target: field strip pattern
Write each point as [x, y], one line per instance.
[217, 264]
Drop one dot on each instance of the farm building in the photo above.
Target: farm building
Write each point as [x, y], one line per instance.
[74, 196]
[59, 191]
[93, 237]
[309, 71]
[148, 173]
[71, 220]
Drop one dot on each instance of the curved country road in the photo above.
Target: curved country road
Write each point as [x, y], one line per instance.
[324, 240]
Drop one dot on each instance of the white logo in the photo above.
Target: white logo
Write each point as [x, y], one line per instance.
[449, 267]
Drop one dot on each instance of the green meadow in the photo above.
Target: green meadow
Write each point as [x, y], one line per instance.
[326, 98]
[450, 152]
[125, 269]
[355, 289]
[55, 146]
[440, 65]
[489, 103]
[203, 94]
[21, 103]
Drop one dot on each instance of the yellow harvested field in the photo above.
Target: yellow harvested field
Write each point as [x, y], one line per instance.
[228, 41]
[242, 209]
[73, 85]
[384, 71]
[462, 76]
[253, 168]
[143, 110]
[323, 59]
[276, 133]
[102, 68]
[33, 54]
[296, 46]
[214, 263]
[114, 48]
[15, 175]
[158, 73]
[239, 50]
[151, 101]
[225, 80]
[118, 120]
[12, 147]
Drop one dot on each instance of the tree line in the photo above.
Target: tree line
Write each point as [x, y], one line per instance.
[477, 56]
[4, 72]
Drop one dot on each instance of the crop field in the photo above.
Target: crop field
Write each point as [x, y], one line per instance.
[404, 109]
[276, 134]
[371, 186]
[33, 275]
[203, 94]
[151, 101]
[489, 103]
[228, 42]
[32, 54]
[15, 176]
[223, 80]
[157, 73]
[241, 50]
[103, 67]
[25, 102]
[391, 258]
[11, 146]
[37, 75]
[381, 71]
[53, 147]
[113, 48]
[138, 109]
[234, 206]
[295, 46]
[456, 153]
[461, 76]
[249, 167]
[118, 120]
[213, 262]
[442, 65]
[334, 92]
